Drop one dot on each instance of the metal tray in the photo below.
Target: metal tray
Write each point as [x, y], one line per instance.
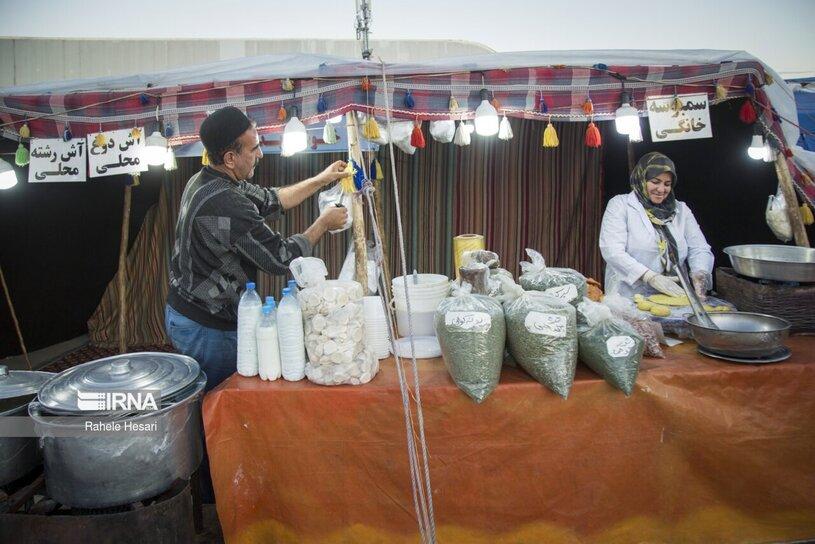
[773, 262]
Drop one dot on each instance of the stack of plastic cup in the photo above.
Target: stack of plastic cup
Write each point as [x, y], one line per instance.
[376, 327]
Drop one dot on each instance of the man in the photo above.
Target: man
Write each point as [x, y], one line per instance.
[222, 239]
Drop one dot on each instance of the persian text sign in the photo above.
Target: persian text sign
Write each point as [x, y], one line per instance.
[53, 159]
[670, 122]
[116, 152]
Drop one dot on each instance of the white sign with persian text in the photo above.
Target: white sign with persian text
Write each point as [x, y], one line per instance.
[116, 152]
[671, 122]
[54, 159]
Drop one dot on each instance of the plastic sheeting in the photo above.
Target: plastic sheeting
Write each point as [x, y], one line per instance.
[703, 451]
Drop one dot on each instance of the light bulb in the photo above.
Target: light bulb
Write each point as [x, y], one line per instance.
[756, 149]
[625, 118]
[155, 149]
[8, 178]
[486, 119]
[294, 137]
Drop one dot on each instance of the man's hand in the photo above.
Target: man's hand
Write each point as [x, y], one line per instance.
[334, 217]
[699, 280]
[331, 174]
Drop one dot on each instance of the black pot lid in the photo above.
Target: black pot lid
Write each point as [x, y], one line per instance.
[129, 372]
[18, 383]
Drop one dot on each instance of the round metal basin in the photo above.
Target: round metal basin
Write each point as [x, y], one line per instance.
[741, 334]
[773, 262]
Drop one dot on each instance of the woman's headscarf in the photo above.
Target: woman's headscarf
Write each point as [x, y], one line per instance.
[648, 167]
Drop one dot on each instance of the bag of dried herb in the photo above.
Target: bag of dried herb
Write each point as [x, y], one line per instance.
[563, 283]
[542, 336]
[609, 346]
[472, 334]
[493, 262]
[650, 330]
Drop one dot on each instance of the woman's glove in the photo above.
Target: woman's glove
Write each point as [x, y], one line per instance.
[699, 280]
[663, 284]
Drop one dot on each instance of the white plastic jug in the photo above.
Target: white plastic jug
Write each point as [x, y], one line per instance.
[248, 316]
[291, 336]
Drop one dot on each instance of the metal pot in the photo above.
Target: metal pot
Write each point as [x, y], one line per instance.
[89, 468]
[773, 262]
[741, 334]
[18, 455]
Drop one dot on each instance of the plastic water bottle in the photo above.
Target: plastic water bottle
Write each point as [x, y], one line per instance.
[292, 287]
[290, 333]
[269, 300]
[248, 317]
[268, 346]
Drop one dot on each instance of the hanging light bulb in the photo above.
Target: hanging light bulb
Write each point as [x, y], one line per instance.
[635, 136]
[626, 116]
[8, 178]
[155, 149]
[294, 136]
[756, 149]
[486, 116]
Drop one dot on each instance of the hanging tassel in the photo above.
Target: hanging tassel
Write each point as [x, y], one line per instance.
[376, 170]
[347, 183]
[370, 129]
[287, 85]
[321, 105]
[22, 157]
[409, 102]
[747, 113]
[168, 131]
[135, 180]
[329, 134]
[588, 107]
[505, 129]
[205, 158]
[768, 80]
[100, 140]
[135, 133]
[593, 138]
[453, 103]
[462, 135]
[417, 137]
[550, 138]
[25, 132]
[67, 135]
[144, 99]
[806, 214]
[496, 103]
[721, 92]
[170, 163]
[750, 89]
[677, 103]
[281, 114]
[543, 107]
[365, 84]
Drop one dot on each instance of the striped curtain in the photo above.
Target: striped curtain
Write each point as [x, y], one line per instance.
[515, 193]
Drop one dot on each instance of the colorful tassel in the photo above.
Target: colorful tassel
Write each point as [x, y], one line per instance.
[100, 140]
[67, 135]
[135, 133]
[677, 104]
[22, 157]
[25, 132]
[747, 113]
[505, 129]
[600, 66]
[721, 92]
[321, 105]
[593, 138]
[329, 134]
[462, 135]
[417, 137]
[806, 214]
[588, 106]
[453, 103]
[409, 102]
[543, 107]
[750, 88]
[347, 183]
[144, 99]
[496, 103]
[170, 163]
[550, 138]
[370, 129]
[365, 84]
[376, 170]
[205, 158]
[168, 131]
[287, 85]
[281, 114]
[768, 80]
[135, 180]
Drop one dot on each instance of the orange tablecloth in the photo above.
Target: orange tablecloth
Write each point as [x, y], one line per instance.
[703, 451]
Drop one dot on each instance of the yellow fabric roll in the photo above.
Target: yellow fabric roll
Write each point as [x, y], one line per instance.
[466, 242]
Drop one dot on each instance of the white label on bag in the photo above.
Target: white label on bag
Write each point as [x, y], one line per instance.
[566, 292]
[548, 324]
[620, 346]
[468, 321]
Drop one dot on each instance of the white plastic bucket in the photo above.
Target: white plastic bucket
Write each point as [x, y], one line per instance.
[422, 323]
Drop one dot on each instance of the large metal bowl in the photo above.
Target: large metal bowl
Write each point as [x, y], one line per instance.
[741, 334]
[773, 262]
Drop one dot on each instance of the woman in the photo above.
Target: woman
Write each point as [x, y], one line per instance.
[645, 232]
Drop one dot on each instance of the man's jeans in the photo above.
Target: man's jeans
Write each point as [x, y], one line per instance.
[215, 350]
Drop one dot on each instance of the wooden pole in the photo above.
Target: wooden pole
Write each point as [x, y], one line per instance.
[123, 271]
[14, 318]
[793, 211]
[360, 247]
